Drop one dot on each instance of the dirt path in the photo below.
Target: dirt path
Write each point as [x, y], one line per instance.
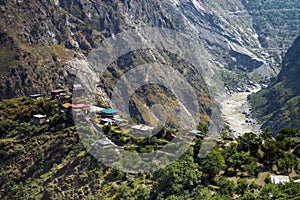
[236, 112]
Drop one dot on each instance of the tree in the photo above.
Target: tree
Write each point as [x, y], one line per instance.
[47, 107]
[297, 168]
[270, 191]
[226, 187]
[182, 175]
[287, 163]
[201, 193]
[230, 150]
[265, 135]
[212, 164]
[238, 160]
[249, 142]
[287, 144]
[242, 186]
[248, 196]
[287, 132]
[142, 193]
[251, 167]
[271, 151]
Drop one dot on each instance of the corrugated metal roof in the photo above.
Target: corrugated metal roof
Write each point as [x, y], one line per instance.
[109, 111]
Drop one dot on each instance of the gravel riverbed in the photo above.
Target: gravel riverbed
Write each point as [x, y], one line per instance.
[236, 112]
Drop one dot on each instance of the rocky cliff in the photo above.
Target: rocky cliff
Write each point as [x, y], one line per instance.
[278, 105]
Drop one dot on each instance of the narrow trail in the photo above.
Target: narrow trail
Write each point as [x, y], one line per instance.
[236, 112]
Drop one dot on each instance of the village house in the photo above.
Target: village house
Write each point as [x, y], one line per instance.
[142, 127]
[78, 90]
[85, 108]
[197, 133]
[39, 118]
[77, 111]
[108, 121]
[68, 107]
[119, 120]
[96, 109]
[229, 138]
[36, 96]
[58, 93]
[279, 179]
[142, 130]
[108, 113]
[102, 143]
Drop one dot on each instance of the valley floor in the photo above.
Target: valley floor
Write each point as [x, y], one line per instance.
[236, 112]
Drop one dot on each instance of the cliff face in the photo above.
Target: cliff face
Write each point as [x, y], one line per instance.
[278, 105]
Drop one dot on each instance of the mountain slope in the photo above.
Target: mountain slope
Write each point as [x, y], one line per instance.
[278, 105]
[276, 22]
[46, 42]
[41, 37]
[37, 41]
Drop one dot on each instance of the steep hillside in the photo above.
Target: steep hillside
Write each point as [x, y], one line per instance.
[47, 160]
[278, 105]
[276, 22]
[44, 43]
[37, 41]
[43, 36]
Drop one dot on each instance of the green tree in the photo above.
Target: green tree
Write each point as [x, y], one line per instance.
[238, 160]
[297, 168]
[178, 177]
[251, 167]
[226, 187]
[287, 163]
[287, 132]
[47, 107]
[242, 186]
[230, 150]
[124, 192]
[249, 142]
[265, 135]
[248, 196]
[142, 193]
[201, 193]
[271, 152]
[212, 164]
[287, 144]
[270, 191]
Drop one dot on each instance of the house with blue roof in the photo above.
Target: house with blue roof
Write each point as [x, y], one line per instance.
[108, 113]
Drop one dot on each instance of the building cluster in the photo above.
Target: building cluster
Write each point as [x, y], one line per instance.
[79, 110]
[58, 95]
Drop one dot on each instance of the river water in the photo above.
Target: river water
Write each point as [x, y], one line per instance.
[236, 112]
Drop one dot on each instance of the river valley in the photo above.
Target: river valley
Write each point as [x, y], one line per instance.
[236, 112]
